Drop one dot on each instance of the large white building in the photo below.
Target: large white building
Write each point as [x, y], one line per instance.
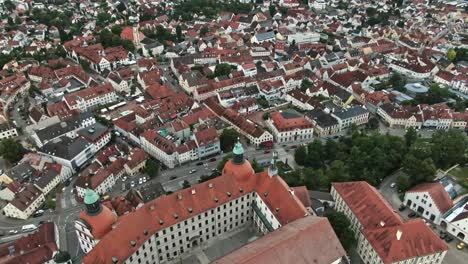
[430, 200]
[455, 221]
[171, 227]
[89, 98]
[382, 236]
[288, 126]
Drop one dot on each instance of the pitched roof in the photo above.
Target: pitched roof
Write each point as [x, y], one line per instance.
[236, 181]
[409, 240]
[438, 194]
[303, 241]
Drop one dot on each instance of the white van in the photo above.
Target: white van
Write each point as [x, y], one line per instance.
[28, 228]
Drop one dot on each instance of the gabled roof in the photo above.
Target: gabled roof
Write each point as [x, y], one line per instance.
[438, 194]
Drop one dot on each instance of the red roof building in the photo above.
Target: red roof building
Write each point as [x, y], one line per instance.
[245, 194]
[381, 234]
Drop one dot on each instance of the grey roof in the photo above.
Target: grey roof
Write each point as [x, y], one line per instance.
[21, 172]
[324, 196]
[321, 118]
[150, 43]
[65, 147]
[93, 132]
[46, 178]
[60, 129]
[351, 112]
[265, 36]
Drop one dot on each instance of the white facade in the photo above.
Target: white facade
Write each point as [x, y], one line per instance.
[8, 133]
[11, 211]
[294, 135]
[167, 159]
[423, 203]
[304, 37]
[85, 237]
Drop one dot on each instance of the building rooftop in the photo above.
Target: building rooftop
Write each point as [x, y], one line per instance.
[306, 240]
[438, 194]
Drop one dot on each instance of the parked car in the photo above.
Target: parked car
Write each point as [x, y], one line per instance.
[448, 239]
[144, 179]
[12, 232]
[67, 182]
[460, 245]
[2, 233]
[213, 159]
[132, 184]
[443, 234]
[124, 178]
[199, 163]
[392, 185]
[412, 214]
[172, 177]
[192, 171]
[266, 152]
[140, 181]
[402, 208]
[294, 146]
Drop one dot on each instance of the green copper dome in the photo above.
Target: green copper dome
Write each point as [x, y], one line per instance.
[238, 149]
[90, 197]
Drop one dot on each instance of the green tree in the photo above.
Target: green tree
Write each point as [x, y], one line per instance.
[448, 147]
[338, 172]
[228, 138]
[451, 54]
[9, 5]
[306, 84]
[266, 116]
[18, 20]
[116, 29]
[372, 124]
[418, 170]
[185, 184]
[403, 183]
[272, 10]
[300, 155]
[315, 154]
[257, 168]
[410, 136]
[151, 168]
[11, 150]
[341, 226]
[179, 33]
[222, 69]
[203, 31]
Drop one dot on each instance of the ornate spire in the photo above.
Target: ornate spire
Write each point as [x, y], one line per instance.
[238, 153]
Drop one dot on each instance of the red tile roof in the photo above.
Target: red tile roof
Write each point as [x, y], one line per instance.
[438, 194]
[35, 248]
[416, 240]
[305, 241]
[392, 239]
[369, 207]
[89, 93]
[286, 124]
[200, 198]
[207, 136]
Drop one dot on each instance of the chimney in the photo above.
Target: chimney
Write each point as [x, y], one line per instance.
[398, 234]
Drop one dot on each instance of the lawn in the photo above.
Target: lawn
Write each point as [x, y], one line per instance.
[461, 174]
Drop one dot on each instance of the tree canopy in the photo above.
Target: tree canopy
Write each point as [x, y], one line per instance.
[151, 168]
[341, 226]
[228, 138]
[11, 150]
